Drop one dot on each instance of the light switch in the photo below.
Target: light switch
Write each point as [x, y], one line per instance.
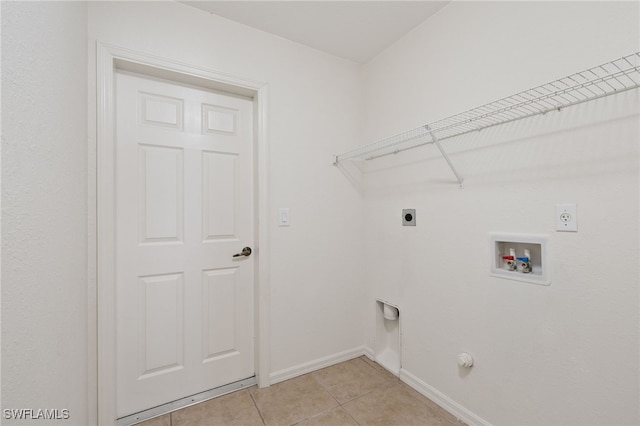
[283, 217]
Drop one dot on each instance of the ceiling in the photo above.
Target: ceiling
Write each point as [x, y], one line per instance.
[353, 30]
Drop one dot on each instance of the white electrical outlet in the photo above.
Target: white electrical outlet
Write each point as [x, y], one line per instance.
[566, 218]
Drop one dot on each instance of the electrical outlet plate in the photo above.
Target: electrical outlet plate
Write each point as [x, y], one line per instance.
[566, 218]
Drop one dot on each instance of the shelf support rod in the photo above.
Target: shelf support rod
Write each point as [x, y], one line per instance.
[446, 157]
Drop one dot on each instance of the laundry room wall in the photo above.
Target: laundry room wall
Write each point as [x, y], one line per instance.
[313, 112]
[44, 212]
[566, 353]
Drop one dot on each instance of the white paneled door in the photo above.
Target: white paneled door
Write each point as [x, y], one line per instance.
[184, 207]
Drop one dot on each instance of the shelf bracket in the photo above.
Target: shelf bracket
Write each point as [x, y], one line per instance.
[446, 157]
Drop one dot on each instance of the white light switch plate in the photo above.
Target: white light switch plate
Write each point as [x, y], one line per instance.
[283, 217]
[566, 218]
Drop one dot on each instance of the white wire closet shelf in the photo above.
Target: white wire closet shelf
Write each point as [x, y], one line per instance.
[597, 82]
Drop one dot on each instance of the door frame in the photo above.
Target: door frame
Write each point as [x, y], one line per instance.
[110, 59]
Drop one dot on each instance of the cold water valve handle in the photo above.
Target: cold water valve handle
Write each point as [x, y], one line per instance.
[525, 264]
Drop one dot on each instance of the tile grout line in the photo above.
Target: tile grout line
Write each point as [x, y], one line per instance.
[311, 375]
[255, 404]
[412, 392]
[314, 416]
[349, 414]
[361, 396]
[325, 388]
[398, 383]
[386, 381]
[340, 405]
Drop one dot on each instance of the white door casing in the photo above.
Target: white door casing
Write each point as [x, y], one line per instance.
[184, 206]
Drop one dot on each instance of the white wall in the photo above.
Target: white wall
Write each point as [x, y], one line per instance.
[314, 112]
[44, 190]
[563, 354]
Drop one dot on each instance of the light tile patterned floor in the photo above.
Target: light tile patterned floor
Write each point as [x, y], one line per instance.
[356, 392]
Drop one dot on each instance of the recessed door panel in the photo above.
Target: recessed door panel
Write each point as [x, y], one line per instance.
[220, 302]
[161, 324]
[217, 119]
[219, 176]
[161, 194]
[163, 111]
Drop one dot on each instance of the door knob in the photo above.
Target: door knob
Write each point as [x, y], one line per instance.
[245, 252]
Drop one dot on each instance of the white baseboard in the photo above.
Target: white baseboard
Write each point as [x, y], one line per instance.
[308, 367]
[442, 400]
[368, 352]
[429, 391]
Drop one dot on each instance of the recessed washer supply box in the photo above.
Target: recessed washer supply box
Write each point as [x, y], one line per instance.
[503, 246]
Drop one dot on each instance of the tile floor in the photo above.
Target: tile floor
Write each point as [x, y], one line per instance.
[355, 392]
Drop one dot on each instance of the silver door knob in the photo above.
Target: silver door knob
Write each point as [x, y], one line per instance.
[245, 252]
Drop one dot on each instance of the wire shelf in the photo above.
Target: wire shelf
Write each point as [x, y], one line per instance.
[597, 82]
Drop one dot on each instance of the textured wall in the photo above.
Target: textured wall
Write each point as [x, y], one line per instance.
[44, 196]
[563, 354]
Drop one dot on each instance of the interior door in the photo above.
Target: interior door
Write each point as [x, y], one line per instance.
[184, 207]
